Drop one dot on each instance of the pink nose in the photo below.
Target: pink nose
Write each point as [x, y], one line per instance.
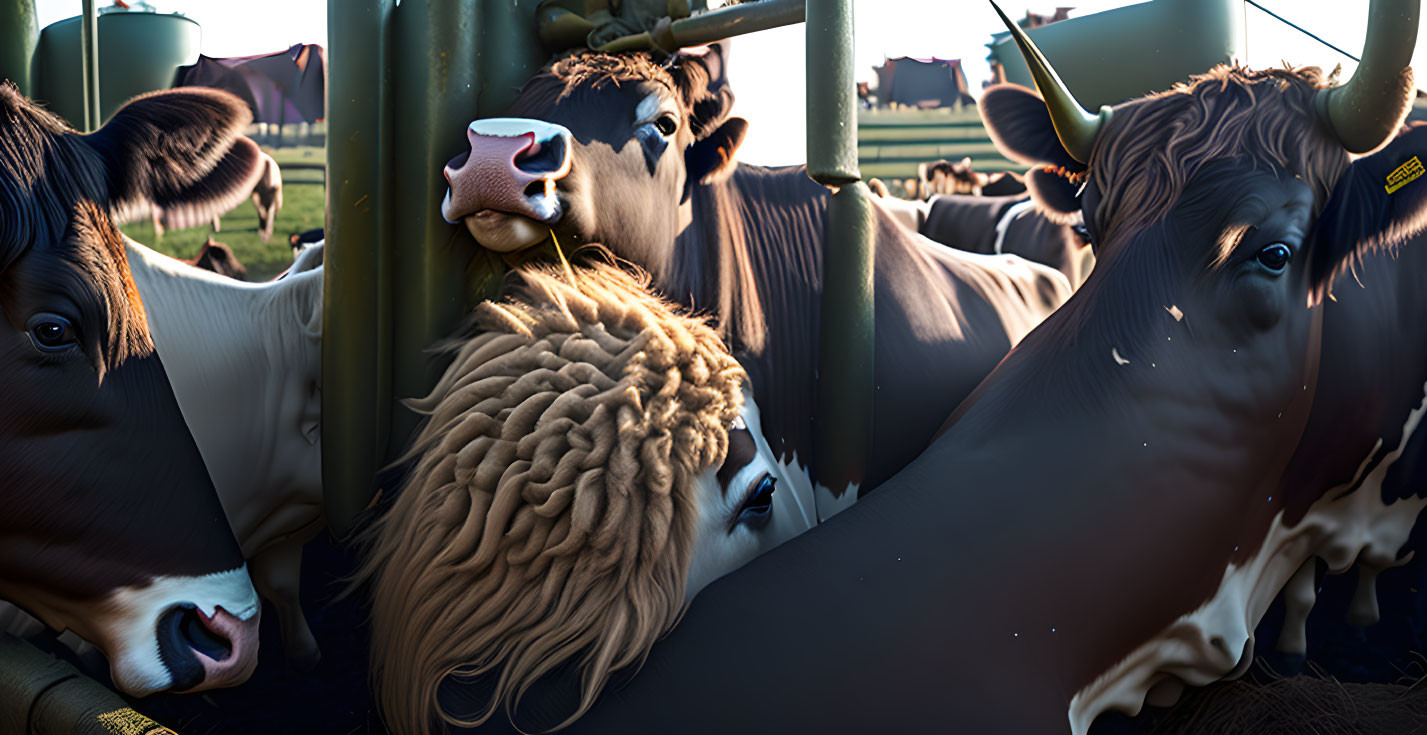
[511, 168]
[238, 665]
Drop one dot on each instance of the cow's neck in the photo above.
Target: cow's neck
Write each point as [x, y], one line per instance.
[241, 356]
[752, 258]
[1099, 472]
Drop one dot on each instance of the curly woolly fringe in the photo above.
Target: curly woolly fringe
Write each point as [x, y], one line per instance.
[550, 515]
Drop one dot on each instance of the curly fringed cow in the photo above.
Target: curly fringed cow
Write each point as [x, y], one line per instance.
[591, 460]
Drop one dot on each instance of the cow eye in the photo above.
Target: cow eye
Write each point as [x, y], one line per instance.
[1274, 257]
[52, 333]
[666, 125]
[757, 508]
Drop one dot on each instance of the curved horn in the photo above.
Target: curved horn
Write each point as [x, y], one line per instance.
[1365, 112]
[1076, 128]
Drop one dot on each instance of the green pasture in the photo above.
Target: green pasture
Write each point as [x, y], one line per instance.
[303, 201]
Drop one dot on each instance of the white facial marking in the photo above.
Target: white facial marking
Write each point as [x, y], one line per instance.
[719, 550]
[1115, 353]
[652, 107]
[1349, 523]
[126, 629]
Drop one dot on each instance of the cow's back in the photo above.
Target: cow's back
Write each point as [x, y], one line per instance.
[945, 318]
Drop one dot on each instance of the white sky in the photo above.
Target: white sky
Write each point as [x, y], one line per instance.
[773, 101]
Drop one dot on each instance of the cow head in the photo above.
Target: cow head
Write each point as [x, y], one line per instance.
[1220, 210]
[111, 526]
[1203, 203]
[605, 149]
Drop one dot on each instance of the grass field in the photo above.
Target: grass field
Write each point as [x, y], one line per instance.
[303, 202]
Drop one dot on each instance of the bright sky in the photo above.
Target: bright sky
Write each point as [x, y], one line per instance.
[773, 100]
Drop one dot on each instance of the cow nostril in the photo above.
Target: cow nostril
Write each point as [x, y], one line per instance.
[456, 163]
[543, 157]
[198, 636]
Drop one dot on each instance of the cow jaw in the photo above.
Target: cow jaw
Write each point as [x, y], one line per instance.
[1349, 524]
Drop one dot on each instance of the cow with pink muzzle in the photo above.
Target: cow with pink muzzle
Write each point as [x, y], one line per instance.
[504, 186]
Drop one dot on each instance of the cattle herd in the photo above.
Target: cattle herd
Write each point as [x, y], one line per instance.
[1124, 404]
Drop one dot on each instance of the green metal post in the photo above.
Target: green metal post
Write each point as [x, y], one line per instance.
[846, 381]
[19, 32]
[42, 695]
[399, 277]
[89, 58]
[356, 343]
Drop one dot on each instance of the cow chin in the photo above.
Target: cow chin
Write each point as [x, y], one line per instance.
[504, 232]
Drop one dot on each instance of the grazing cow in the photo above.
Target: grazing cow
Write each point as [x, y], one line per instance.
[110, 525]
[638, 156]
[219, 258]
[1169, 408]
[591, 461]
[266, 196]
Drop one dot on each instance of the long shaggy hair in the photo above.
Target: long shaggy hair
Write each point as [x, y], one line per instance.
[549, 518]
[1153, 146]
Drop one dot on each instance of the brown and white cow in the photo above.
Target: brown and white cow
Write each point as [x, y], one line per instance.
[1111, 511]
[944, 177]
[110, 525]
[639, 157]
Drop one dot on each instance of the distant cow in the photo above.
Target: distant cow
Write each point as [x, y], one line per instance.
[219, 258]
[945, 177]
[999, 225]
[266, 197]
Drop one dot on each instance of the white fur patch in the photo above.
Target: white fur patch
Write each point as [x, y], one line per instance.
[719, 550]
[1350, 523]
[133, 646]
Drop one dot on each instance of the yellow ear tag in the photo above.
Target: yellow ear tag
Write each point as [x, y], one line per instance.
[1403, 174]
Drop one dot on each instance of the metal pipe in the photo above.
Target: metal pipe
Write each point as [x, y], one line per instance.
[846, 344]
[356, 314]
[704, 28]
[832, 94]
[19, 33]
[42, 695]
[89, 60]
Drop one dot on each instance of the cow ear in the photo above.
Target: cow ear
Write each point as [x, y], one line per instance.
[1379, 202]
[712, 157]
[702, 80]
[181, 150]
[1054, 195]
[1020, 126]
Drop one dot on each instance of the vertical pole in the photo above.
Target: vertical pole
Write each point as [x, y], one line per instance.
[19, 33]
[405, 81]
[89, 59]
[457, 60]
[846, 378]
[356, 313]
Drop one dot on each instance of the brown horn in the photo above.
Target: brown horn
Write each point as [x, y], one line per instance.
[1076, 128]
[1366, 112]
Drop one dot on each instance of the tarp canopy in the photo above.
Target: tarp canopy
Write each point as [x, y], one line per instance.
[285, 87]
[922, 82]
